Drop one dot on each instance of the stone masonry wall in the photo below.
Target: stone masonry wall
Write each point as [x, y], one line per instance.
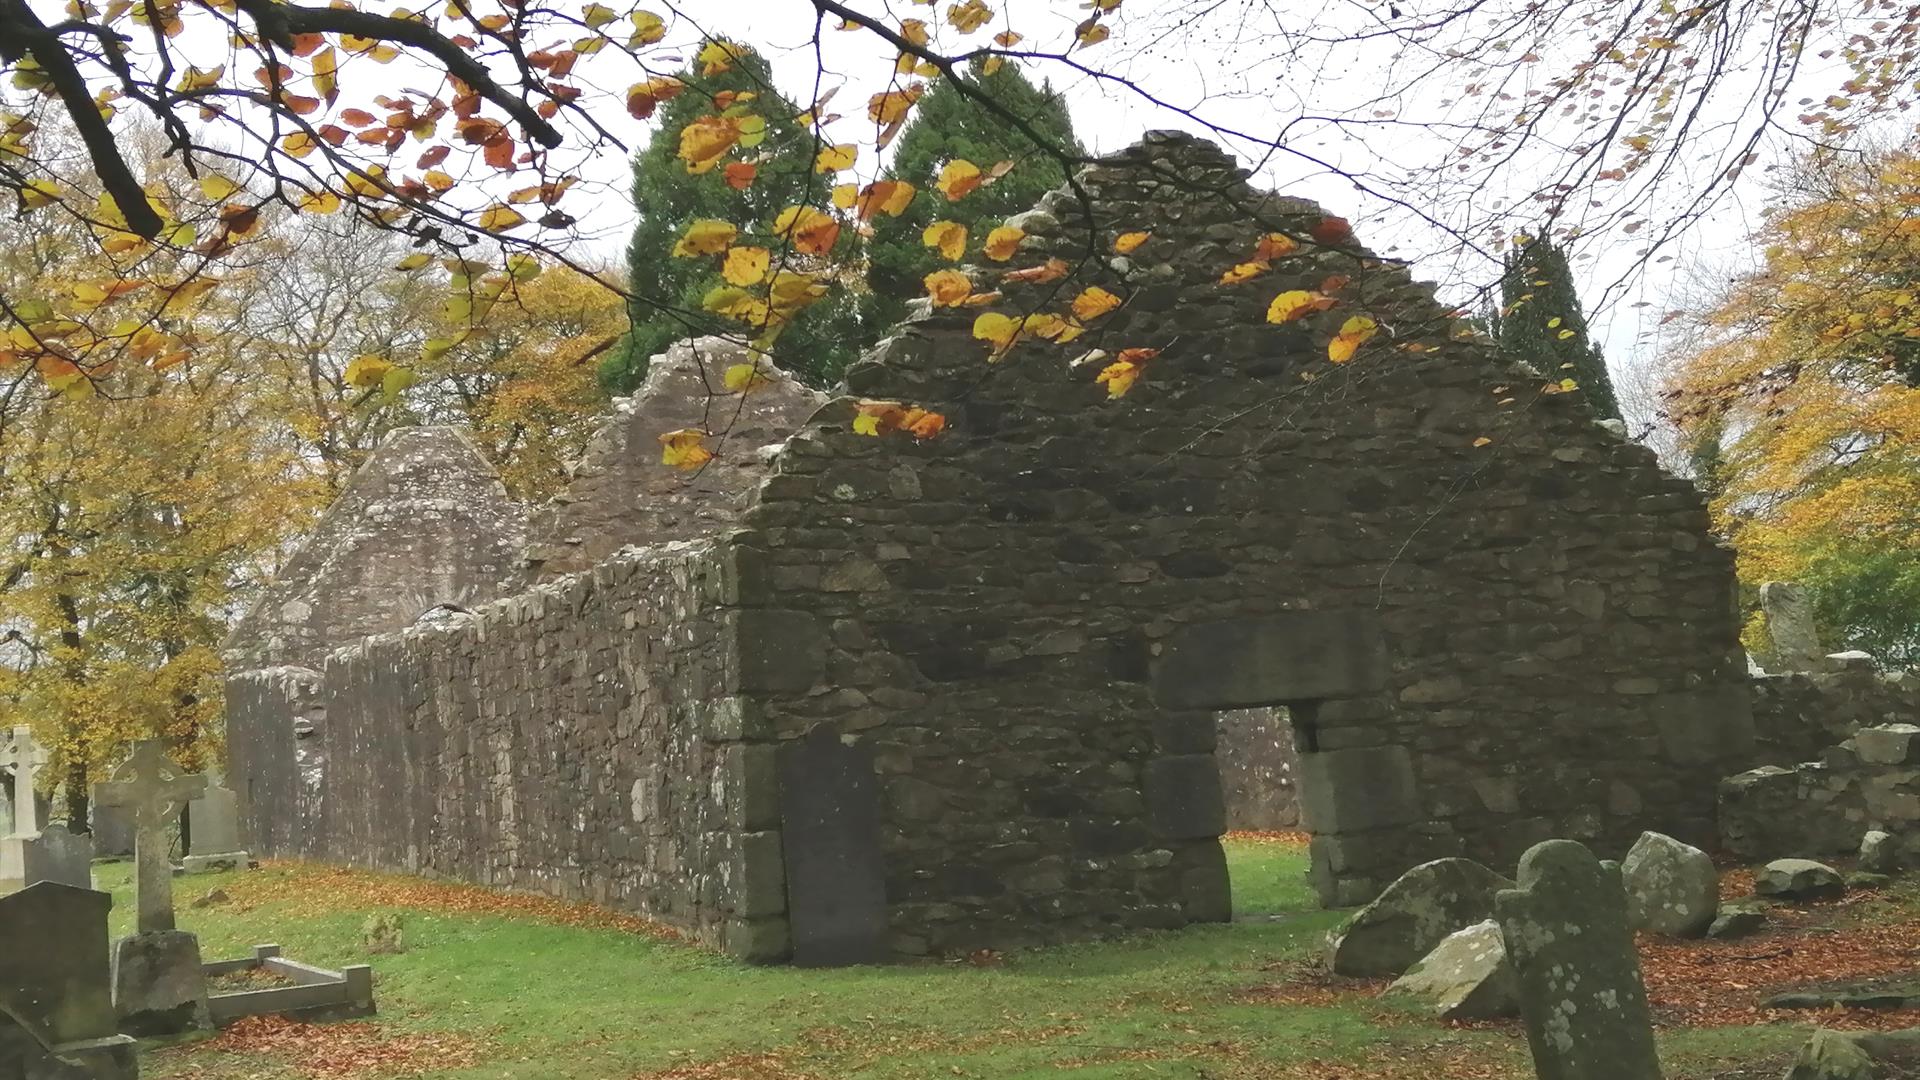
[569, 740]
[1797, 717]
[1823, 807]
[1559, 631]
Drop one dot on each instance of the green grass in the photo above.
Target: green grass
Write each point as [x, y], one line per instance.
[543, 1001]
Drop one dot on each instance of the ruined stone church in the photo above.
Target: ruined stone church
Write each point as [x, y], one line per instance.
[838, 698]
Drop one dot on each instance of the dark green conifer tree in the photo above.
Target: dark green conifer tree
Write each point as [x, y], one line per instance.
[824, 336]
[1541, 322]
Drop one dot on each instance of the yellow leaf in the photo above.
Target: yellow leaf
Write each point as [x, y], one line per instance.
[1245, 271]
[217, 187]
[1003, 242]
[1273, 246]
[706, 140]
[1482, 441]
[948, 287]
[969, 16]
[957, 178]
[716, 57]
[38, 193]
[648, 28]
[845, 195]
[1291, 305]
[745, 265]
[1564, 335]
[834, 158]
[745, 378]
[319, 202]
[1119, 377]
[1553, 322]
[297, 145]
[1126, 243]
[683, 449]
[1091, 32]
[1093, 302]
[992, 64]
[889, 197]
[914, 30]
[367, 372]
[998, 330]
[705, 236]
[809, 230]
[500, 217]
[1353, 333]
[948, 237]
[726, 300]
[597, 15]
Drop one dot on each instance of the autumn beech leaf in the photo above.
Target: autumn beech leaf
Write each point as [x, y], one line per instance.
[367, 372]
[1118, 377]
[992, 64]
[648, 28]
[948, 287]
[1482, 441]
[705, 236]
[1296, 304]
[1002, 242]
[1274, 246]
[297, 145]
[644, 97]
[415, 261]
[878, 418]
[1128, 243]
[326, 202]
[914, 30]
[835, 158]
[685, 449]
[892, 106]
[739, 174]
[947, 237]
[958, 178]
[716, 58]
[745, 265]
[745, 378]
[810, 231]
[1333, 231]
[1007, 39]
[889, 197]
[1049, 271]
[216, 187]
[1091, 32]
[1353, 333]
[1093, 302]
[1245, 271]
[998, 330]
[1333, 283]
[704, 141]
[969, 16]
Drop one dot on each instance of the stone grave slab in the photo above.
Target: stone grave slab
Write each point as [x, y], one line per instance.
[1581, 994]
[58, 855]
[214, 820]
[830, 821]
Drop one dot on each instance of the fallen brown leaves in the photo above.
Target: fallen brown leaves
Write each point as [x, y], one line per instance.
[342, 1051]
[1293, 838]
[336, 888]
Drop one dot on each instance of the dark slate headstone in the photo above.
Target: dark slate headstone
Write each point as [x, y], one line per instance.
[53, 963]
[830, 824]
[1581, 994]
[59, 856]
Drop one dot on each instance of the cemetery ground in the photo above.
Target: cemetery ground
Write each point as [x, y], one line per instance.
[495, 985]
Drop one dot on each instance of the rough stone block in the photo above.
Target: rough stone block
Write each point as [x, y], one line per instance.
[1344, 791]
[751, 778]
[736, 718]
[772, 651]
[757, 941]
[760, 881]
[1206, 893]
[159, 987]
[1185, 732]
[1272, 660]
[1889, 744]
[1184, 796]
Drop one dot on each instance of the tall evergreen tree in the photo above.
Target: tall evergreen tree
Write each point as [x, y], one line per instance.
[949, 125]
[1541, 322]
[823, 337]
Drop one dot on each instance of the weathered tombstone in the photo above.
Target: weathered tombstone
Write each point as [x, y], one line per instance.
[1413, 915]
[1581, 994]
[1672, 888]
[1793, 643]
[25, 757]
[112, 833]
[58, 855]
[56, 1001]
[830, 823]
[158, 985]
[213, 817]
[1465, 977]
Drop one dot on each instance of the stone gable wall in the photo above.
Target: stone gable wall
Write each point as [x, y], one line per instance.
[554, 742]
[424, 522]
[1560, 630]
[1822, 807]
[1797, 717]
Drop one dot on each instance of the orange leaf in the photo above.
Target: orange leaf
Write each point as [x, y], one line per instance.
[1051, 270]
[1094, 302]
[959, 177]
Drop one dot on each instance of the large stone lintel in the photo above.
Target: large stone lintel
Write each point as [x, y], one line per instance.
[1272, 660]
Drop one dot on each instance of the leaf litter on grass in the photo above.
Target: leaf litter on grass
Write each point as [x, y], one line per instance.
[334, 888]
[342, 1051]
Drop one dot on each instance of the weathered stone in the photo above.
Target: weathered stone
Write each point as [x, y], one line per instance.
[1736, 921]
[152, 789]
[830, 824]
[1888, 744]
[383, 932]
[1183, 795]
[58, 855]
[1581, 994]
[1831, 1055]
[55, 986]
[1866, 879]
[210, 898]
[1799, 880]
[1413, 915]
[1343, 791]
[212, 819]
[1672, 888]
[1465, 977]
[1879, 854]
[159, 987]
[1793, 644]
[1272, 660]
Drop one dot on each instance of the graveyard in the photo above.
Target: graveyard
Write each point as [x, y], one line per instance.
[1098, 610]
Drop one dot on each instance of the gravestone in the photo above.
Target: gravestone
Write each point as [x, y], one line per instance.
[25, 757]
[58, 855]
[56, 1001]
[836, 885]
[158, 985]
[213, 817]
[1793, 642]
[1581, 994]
[112, 833]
